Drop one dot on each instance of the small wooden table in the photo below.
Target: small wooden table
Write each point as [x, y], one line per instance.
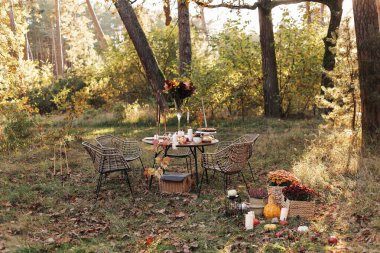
[193, 149]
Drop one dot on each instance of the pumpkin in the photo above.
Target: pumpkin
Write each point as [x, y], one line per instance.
[270, 227]
[271, 210]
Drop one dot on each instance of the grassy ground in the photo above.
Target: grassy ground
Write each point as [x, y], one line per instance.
[39, 213]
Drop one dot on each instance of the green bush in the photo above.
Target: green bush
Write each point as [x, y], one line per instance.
[119, 111]
[17, 127]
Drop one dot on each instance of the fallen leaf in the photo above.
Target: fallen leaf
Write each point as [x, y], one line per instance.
[149, 240]
[65, 239]
[194, 245]
[50, 240]
[6, 203]
[180, 214]
[186, 249]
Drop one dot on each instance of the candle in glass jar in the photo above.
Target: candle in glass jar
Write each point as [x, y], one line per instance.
[231, 193]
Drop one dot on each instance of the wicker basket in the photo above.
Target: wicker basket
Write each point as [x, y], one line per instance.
[303, 209]
[175, 183]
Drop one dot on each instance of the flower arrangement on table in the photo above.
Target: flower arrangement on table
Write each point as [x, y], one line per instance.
[179, 90]
[161, 164]
[281, 178]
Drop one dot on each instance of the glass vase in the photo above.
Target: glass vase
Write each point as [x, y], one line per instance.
[179, 115]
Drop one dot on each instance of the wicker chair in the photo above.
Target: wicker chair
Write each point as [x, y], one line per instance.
[228, 161]
[129, 148]
[106, 161]
[244, 138]
[183, 153]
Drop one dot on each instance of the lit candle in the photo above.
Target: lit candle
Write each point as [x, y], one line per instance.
[188, 117]
[190, 134]
[175, 141]
[284, 213]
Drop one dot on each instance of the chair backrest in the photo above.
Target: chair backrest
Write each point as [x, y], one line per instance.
[240, 152]
[95, 153]
[234, 158]
[126, 147]
[251, 137]
[108, 141]
[106, 159]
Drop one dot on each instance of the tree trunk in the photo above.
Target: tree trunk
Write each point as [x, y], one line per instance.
[329, 41]
[59, 48]
[28, 51]
[366, 17]
[378, 10]
[272, 106]
[144, 51]
[98, 28]
[168, 17]
[54, 49]
[308, 13]
[12, 17]
[184, 38]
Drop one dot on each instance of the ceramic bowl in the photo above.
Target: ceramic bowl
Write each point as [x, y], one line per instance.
[197, 140]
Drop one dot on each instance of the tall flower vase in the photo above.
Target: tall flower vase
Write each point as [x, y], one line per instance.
[178, 112]
[179, 115]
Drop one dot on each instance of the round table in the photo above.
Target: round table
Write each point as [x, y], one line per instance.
[191, 145]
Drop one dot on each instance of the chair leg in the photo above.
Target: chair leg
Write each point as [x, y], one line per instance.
[191, 168]
[150, 182]
[250, 168]
[142, 167]
[187, 165]
[246, 184]
[225, 183]
[207, 177]
[200, 185]
[99, 185]
[129, 183]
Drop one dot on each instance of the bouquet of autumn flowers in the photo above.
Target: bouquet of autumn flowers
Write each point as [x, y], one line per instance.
[281, 178]
[161, 165]
[179, 90]
[299, 192]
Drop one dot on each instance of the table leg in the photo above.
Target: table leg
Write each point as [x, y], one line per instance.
[202, 149]
[194, 153]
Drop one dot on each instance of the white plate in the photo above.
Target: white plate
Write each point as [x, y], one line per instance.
[205, 133]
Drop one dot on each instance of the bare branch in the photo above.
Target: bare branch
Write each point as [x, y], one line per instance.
[266, 5]
[276, 3]
[227, 5]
